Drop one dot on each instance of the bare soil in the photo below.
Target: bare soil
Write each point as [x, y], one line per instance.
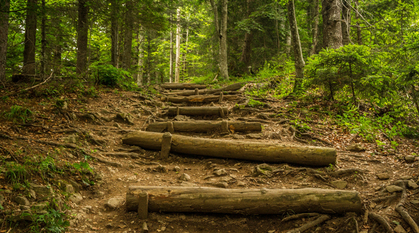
[100, 136]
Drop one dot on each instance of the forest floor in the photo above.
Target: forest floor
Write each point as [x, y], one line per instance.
[88, 127]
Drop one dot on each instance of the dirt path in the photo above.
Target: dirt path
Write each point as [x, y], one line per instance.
[95, 127]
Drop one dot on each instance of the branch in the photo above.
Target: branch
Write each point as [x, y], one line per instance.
[29, 88]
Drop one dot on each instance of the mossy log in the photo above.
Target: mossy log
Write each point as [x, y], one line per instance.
[197, 111]
[228, 90]
[197, 98]
[244, 201]
[182, 86]
[204, 126]
[247, 150]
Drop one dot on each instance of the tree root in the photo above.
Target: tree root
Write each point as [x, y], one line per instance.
[356, 223]
[382, 221]
[402, 211]
[297, 216]
[380, 199]
[311, 224]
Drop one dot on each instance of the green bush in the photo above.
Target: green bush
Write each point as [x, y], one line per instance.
[111, 76]
[19, 113]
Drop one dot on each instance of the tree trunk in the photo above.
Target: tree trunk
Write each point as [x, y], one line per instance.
[315, 26]
[198, 98]
[171, 51]
[332, 28]
[245, 58]
[358, 28]
[229, 88]
[298, 54]
[29, 65]
[43, 40]
[244, 201]
[287, 39]
[182, 86]
[198, 111]
[205, 126]
[346, 22]
[223, 40]
[234, 149]
[4, 32]
[82, 33]
[140, 51]
[177, 65]
[114, 32]
[129, 25]
[186, 51]
[148, 58]
[217, 29]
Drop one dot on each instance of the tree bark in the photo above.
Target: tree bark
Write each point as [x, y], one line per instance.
[346, 22]
[245, 58]
[332, 28]
[315, 26]
[287, 39]
[140, 51]
[198, 111]
[246, 150]
[82, 34]
[177, 65]
[114, 32]
[182, 86]
[197, 98]
[298, 54]
[186, 51]
[223, 41]
[358, 28]
[171, 51]
[43, 40]
[129, 25]
[244, 201]
[29, 65]
[204, 126]
[4, 32]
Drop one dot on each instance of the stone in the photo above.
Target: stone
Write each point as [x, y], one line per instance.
[68, 188]
[70, 139]
[77, 187]
[219, 184]
[114, 203]
[254, 135]
[412, 184]
[161, 169]
[236, 136]
[185, 177]
[220, 172]
[399, 229]
[176, 169]
[394, 188]
[32, 194]
[125, 117]
[383, 176]
[41, 191]
[76, 198]
[355, 148]
[410, 158]
[262, 170]
[241, 184]
[340, 184]
[21, 200]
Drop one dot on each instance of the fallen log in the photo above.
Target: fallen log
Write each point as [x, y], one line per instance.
[182, 86]
[230, 89]
[197, 111]
[197, 98]
[243, 201]
[204, 126]
[247, 150]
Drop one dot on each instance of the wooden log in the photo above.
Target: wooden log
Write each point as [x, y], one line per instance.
[197, 98]
[165, 145]
[190, 86]
[204, 126]
[230, 89]
[142, 205]
[196, 111]
[235, 149]
[244, 201]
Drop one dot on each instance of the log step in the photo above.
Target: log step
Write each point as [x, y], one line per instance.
[204, 126]
[241, 201]
[230, 89]
[198, 98]
[198, 111]
[182, 86]
[256, 151]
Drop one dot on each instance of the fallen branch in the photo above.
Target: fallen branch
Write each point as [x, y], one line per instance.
[29, 88]
[310, 224]
[298, 216]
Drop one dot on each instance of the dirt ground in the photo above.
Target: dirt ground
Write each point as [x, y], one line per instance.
[91, 124]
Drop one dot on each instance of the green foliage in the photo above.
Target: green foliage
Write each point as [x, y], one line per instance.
[16, 173]
[54, 221]
[255, 103]
[109, 75]
[18, 113]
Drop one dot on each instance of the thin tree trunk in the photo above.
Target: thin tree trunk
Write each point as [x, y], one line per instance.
[148, 59]
[223, 38]
[245, 58]
[186, 49]
[298, 54]
[171, 51]
[129, 24]
[287, 39]
[332, 28]
[43, 40]
[57, 45]
[82, 33]
[358, 28]
[177, 67]
[346, 22]
[315, 26]
[114, 32]
[29, 65]
[4, 32]
[278, 37]
[140, 51]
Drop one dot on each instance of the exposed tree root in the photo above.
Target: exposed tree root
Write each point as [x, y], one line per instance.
[309, 225]
[355, 222]
[298, 216]
[383, 222]
[402, 211]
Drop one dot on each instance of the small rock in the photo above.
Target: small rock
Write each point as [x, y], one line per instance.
[76, 198]
[41, 206]
[241, 184]
[185, 177]
[254, 135]
[32, 193]
[125, 117]
[220, 172]
[21, 200]
[176, 169]
[161, 169]
[219, 184]
[340, 184]
[399, 229]
[236, 136]
[77, 187]
[412, 184]
[182, 118]
[262, 169]
[68, 188]
[355, 148]
[41, 191]
[410, 158]
[394, 188]
[383, 176]
[114, 203]
[99, 194]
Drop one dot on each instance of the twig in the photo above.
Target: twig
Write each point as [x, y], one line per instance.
[381, 220]
[297, 216]
[29, 88]
[310, 224]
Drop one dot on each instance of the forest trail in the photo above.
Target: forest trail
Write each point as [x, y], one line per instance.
[96, 127]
